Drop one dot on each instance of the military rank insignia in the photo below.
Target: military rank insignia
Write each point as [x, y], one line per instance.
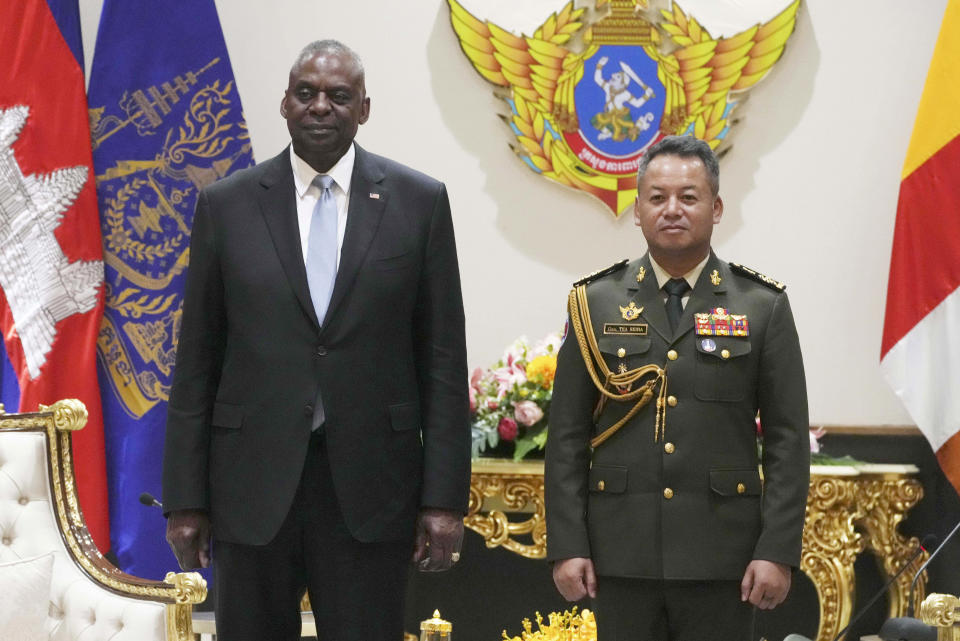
[595, 86]
[717, 322]
[631, 312]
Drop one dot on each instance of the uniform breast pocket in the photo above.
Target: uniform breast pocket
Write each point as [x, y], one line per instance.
[724, 369]
[631, 350]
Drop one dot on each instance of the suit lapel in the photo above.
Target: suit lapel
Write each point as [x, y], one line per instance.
[647, 295]
[367, 201]
[279, 208]
[704, 297]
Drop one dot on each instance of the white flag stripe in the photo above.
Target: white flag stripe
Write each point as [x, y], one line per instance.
[923, 369]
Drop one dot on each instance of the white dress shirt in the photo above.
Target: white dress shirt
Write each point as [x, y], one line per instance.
[308, 194]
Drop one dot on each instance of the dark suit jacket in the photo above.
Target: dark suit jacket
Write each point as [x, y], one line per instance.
[707, 529]
[389, 359]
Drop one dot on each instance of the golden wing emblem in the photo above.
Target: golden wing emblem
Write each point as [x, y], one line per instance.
[542, 75]
[539, 75]
[700, 75]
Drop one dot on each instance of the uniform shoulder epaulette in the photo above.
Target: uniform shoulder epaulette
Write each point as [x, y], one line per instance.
[602, 272]
[757, 276]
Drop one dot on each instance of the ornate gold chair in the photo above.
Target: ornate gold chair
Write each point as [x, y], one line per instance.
[943, 612]
[90, 599]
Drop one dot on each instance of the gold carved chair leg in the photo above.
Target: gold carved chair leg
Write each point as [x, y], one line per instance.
[885, 503]
[830, 546]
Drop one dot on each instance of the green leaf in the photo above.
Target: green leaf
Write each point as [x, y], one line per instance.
[541, 439]
[523, 446]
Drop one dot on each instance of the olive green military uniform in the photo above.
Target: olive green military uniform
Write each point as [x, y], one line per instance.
[679, 496]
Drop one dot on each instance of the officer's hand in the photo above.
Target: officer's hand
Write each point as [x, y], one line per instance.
[765, 584]
[575, 579]
[439, 537]
[188, 533]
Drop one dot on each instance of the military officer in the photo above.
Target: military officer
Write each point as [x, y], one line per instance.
[656, 507]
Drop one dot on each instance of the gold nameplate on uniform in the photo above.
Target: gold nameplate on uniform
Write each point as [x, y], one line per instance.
[637, 329]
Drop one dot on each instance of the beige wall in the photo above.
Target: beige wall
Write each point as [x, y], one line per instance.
[810, 184]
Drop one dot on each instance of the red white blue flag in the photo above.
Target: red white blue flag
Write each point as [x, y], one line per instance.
[51, 269]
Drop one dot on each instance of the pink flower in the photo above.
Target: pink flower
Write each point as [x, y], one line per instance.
[492, 404]
[473, 399]
[527, 412]
[476, 378]
[815, 439]
[507, 376]
[507, 428]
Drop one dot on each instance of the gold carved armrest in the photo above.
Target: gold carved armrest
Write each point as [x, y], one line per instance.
[942, 611]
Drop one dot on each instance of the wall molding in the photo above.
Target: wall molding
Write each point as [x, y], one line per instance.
[873, 430]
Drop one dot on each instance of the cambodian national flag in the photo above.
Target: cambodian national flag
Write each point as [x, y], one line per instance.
[166, 121]
[51, 269]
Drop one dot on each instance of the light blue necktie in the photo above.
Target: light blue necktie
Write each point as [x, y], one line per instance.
[322, 247]
[322, 263]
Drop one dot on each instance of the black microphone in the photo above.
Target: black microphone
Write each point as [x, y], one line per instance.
[908, 628]
[928, 541]
[924, 567]
[150, 501]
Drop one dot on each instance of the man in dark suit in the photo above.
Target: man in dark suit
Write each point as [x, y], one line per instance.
[655, 506]
[318, 421]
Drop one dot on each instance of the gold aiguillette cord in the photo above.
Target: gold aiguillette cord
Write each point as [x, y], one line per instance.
[593, 359]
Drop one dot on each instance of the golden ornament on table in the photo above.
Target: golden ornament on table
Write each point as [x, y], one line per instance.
[435, 629]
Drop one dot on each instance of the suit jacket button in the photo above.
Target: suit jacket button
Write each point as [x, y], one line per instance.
[725, 354]
[308, 410]
[601, 485]
[667, 493]
[321, 350]
[672, 401]
[741, 488]
[672, 354]
[669, 448]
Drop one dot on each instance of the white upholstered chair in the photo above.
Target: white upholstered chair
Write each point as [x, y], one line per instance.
[89, 598]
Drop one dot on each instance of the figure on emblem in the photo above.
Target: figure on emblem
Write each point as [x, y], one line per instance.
[616, 121]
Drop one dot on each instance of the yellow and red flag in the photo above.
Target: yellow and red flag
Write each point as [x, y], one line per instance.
[920, 351]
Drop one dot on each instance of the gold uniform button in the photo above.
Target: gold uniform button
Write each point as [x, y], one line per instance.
[667, 493]
[741, 488]
[672, 401]
[672, 354]
[621, 352]
[725, 354]
[668, 448]
[601, 485]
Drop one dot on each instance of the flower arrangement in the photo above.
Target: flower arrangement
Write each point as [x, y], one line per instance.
[569, 626]
[510, 402]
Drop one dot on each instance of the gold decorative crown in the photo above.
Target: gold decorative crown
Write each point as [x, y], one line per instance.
[624, 25]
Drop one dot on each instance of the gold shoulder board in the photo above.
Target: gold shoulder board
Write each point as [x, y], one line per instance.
[757, 276]
[601, 272]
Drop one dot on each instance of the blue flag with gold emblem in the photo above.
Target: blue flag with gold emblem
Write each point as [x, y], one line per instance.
[166, 121]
